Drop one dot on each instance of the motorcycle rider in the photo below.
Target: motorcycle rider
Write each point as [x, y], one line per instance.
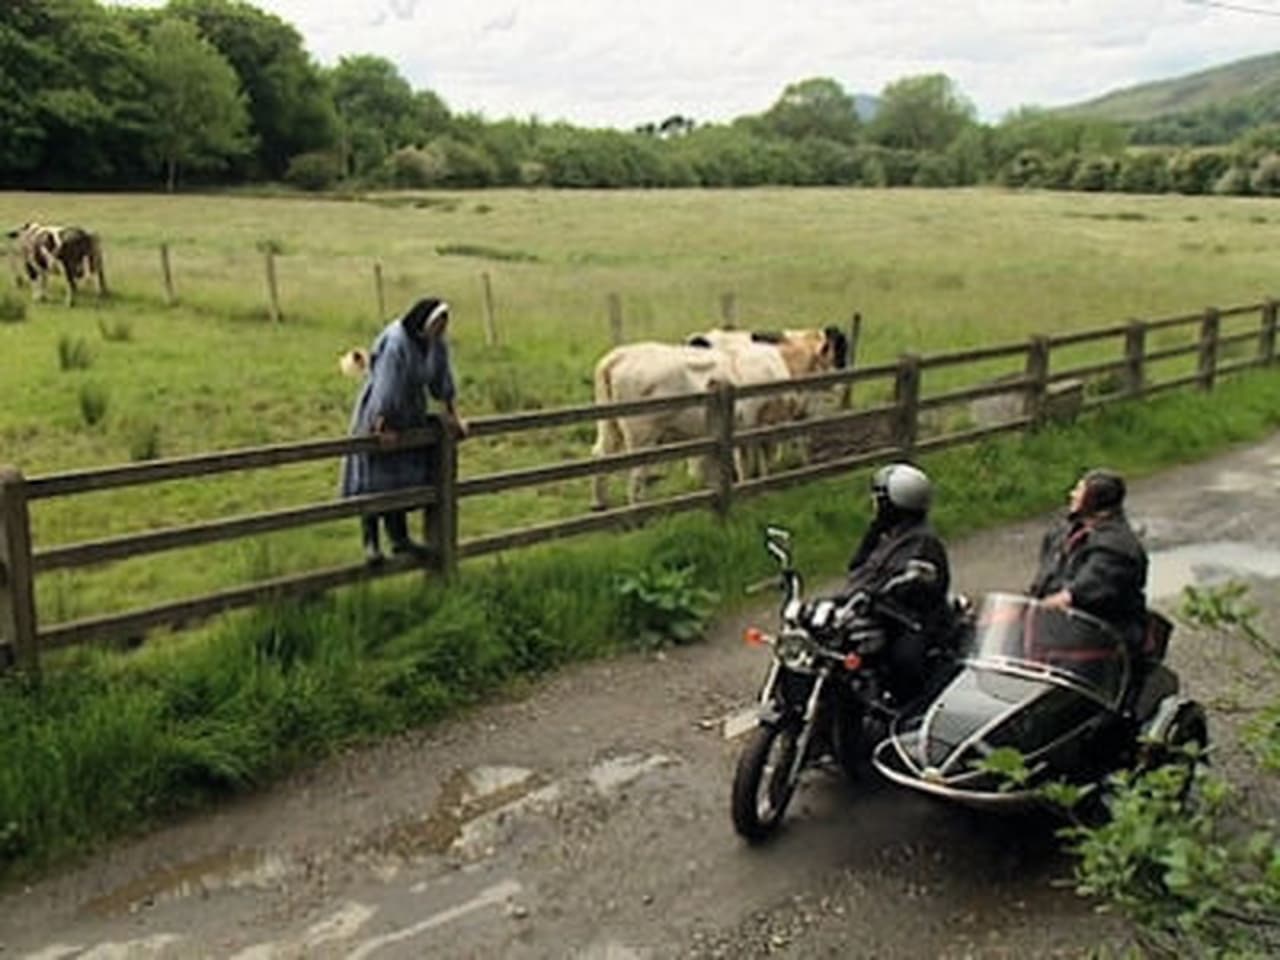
[1093, 561]
[903, 561]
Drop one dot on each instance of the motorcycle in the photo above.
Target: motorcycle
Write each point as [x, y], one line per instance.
[1063, 689]
[830, 690]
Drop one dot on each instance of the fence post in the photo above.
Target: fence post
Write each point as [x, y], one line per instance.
[906, 395]
[1135, 356]
[1208, 348]
[272, 290]
[380, 291]
[1267, 338]
[441, 517]
[855, 334]
[170, 298]
[1037, 372]
[720, 404]
[17, 599]
[729, 310]
[615, 318]
[490, 323]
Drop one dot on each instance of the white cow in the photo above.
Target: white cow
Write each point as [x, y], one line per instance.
[648, 370]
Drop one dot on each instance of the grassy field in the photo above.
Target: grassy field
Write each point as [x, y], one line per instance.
[928, 270]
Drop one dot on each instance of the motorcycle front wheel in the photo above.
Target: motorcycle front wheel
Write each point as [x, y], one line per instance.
[762, 783]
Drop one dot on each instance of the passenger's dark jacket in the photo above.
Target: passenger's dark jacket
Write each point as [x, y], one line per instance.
[1100, 560]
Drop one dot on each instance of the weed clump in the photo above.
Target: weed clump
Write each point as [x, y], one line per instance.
[94, 402]
[74, 353]
[13, 308]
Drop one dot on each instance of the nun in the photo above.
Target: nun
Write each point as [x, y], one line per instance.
[408, 361]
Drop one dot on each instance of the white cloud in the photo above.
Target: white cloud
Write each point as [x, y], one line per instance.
[622, 62]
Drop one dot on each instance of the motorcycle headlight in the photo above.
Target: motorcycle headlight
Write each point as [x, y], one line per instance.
[795, 650]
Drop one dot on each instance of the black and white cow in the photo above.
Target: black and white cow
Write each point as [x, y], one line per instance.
[45, 249]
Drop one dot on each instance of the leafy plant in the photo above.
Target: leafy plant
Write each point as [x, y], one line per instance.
[94, 401]
[74, 353]
[1225, 609]
[664, 605]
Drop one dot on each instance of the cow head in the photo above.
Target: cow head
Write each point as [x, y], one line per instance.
[835, 345]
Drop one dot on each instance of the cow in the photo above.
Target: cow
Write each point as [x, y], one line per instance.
[648, 370]
[803, 353]
[71, 251]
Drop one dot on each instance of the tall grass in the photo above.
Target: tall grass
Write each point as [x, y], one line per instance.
[110, 743]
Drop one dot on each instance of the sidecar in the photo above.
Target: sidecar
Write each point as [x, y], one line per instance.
[1050, 683]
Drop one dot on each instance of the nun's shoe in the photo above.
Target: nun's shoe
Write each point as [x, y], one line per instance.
[411, 547]
[369, 538]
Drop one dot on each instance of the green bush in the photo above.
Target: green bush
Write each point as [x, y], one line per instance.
[94, 401]
[1266, 176]
[413, 168]
[1146, 171]
[316, 170]
[74, 353]
[1094, 174]
[664, 605]
[1196, 171]
[13, 308]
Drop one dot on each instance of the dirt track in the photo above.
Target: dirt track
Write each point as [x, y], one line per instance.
[589, 819]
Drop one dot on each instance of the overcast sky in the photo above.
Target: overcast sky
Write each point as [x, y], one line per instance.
[623, 62]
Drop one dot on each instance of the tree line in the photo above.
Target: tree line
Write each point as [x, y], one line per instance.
[218, 91]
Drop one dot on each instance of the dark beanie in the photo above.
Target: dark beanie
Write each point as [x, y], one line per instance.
[1103, 491]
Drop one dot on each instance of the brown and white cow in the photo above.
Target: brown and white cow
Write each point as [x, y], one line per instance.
[801, 352]
[649, 370]
[46, 249]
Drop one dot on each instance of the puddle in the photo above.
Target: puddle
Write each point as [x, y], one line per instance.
[619, 771]
[465, 797]
[230, 870]
[1198, 564]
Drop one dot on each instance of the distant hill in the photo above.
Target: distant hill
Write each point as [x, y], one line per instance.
[1217, 87]
[866, 105]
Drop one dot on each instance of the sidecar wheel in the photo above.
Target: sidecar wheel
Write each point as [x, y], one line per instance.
[762, 784]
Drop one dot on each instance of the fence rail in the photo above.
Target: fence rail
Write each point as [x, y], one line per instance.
[894, 429]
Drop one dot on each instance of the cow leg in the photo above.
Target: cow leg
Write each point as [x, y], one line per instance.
[71, 291]
[637, 437]
[609, 439]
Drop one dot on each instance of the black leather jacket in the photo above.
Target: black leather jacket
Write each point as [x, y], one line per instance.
[885, 554]
[1100, 560]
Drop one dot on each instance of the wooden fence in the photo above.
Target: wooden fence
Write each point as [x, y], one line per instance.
[900, 430]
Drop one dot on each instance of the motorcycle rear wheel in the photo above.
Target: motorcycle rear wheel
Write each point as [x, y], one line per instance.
[762, 783]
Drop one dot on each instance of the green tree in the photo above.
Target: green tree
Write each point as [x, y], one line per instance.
[818, 107]
[200, 116]
[85, 118]
[290, 104]
[377, 110]
[921, 113]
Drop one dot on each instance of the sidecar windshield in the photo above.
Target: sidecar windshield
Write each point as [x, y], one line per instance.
[1070, 643]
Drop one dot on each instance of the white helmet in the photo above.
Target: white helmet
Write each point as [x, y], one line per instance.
[904, 486]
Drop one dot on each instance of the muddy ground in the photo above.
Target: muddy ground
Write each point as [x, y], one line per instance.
[589, 818]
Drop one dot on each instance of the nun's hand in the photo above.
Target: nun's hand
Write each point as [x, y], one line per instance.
[386, 436]
[457, 426]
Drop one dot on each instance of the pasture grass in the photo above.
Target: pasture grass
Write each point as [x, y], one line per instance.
[928, 270]
[112, 743]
